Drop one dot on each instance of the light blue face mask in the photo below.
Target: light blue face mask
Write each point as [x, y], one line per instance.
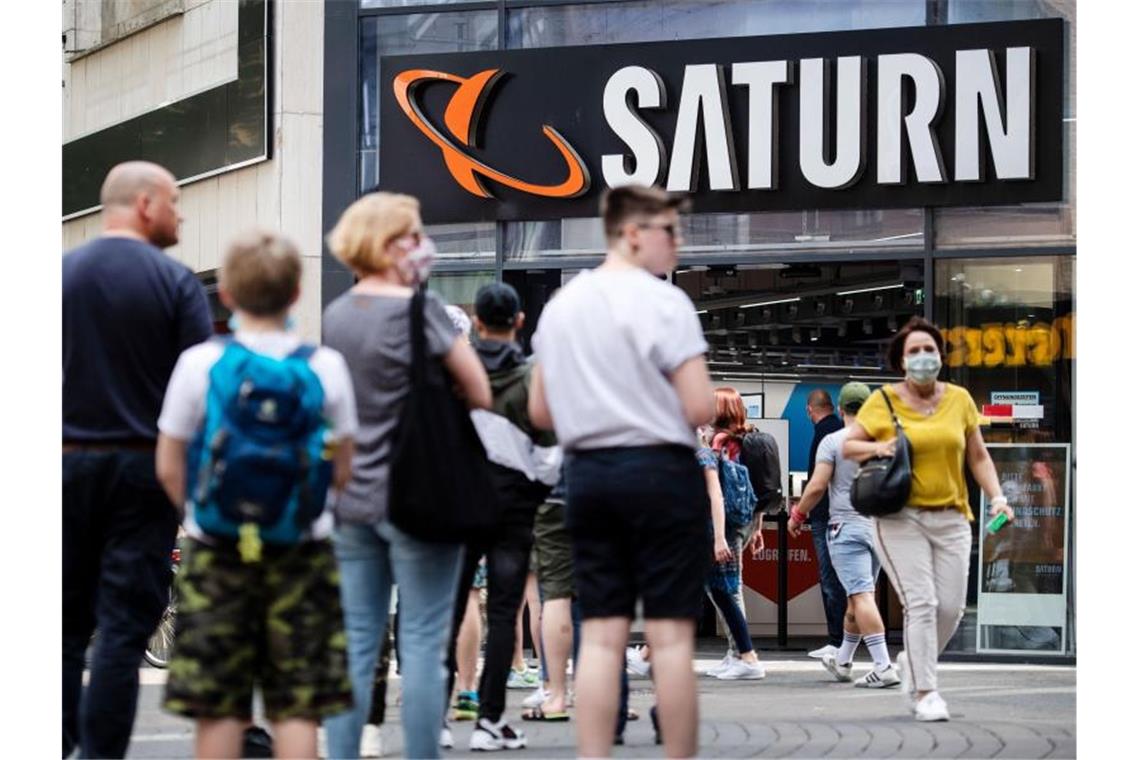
[923, 368]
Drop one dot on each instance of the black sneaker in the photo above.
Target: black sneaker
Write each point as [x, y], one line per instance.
[256, 742]
[491, 737]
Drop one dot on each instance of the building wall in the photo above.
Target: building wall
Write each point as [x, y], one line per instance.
[197, 50]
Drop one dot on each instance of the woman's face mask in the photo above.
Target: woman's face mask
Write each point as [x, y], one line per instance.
[922, 368]
[415, 266]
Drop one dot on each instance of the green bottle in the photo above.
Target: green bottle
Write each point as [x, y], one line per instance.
[996, 524]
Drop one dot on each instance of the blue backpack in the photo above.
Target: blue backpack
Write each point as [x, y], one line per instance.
[739, 496]
[259, 463]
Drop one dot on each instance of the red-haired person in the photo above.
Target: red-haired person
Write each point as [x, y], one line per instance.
[724, 578]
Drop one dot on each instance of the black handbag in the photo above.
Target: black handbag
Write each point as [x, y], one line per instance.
[440, 483]
[882, 484]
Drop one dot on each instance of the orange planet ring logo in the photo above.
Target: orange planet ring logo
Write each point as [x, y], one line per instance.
[462, 117]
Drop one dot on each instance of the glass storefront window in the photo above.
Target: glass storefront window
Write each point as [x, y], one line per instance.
[459, 288]
[652, 20]
[1032, 223]
[773, 233]
[1009, 327]
[420, 33]
[368, 4]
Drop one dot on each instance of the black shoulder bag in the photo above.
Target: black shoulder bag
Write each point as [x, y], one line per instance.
[882, 484]
[440, 485]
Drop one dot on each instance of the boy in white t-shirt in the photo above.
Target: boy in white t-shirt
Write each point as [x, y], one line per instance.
[253, 611]
[622, 380]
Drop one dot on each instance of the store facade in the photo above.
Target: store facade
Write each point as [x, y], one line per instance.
[850, 164]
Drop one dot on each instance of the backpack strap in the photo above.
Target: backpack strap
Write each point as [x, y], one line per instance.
[304, 352]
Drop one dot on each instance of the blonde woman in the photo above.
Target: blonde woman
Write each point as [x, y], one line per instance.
[381, 239]
[925, 547]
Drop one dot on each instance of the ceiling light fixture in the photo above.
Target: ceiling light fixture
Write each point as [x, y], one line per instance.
[768, 303]
[869, 290]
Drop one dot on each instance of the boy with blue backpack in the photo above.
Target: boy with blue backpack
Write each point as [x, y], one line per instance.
[255, 429]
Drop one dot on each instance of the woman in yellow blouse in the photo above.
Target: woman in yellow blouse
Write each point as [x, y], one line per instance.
[925, 547]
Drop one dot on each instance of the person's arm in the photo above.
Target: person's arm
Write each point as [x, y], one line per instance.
[813, 492]
[984, 472]
[860, 446]
[536, 407]
[467, 371]
[716, 507]
[170, 467]
[691, 382]
[342, 464]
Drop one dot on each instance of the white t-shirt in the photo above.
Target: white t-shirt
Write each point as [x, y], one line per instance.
[184, 407]
[607, 344]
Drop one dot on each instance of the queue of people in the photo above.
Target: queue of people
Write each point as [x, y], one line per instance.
[286, 463]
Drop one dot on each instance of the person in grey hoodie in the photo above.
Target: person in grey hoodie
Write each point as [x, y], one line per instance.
[524, 463]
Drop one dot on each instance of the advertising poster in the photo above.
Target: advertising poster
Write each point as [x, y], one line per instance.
[1023, 578]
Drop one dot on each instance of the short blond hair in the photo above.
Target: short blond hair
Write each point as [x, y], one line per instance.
[262, 272]
[365, 229]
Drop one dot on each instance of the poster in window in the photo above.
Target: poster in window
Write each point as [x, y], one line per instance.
[1023, 583]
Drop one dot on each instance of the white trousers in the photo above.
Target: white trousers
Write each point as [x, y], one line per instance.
[926, 554]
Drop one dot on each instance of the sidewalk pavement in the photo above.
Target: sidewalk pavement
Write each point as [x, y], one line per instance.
[799, 710]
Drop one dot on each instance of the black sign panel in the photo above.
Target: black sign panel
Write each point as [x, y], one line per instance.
[521, 134]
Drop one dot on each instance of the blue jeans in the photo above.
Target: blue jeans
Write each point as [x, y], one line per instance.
[118, 532]
[371, 559]
[834, 595]
[733, 618]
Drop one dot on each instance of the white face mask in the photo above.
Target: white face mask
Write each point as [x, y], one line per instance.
[923, 368]
[416, 265]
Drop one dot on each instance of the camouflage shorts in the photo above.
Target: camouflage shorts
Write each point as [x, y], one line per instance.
[276, 623]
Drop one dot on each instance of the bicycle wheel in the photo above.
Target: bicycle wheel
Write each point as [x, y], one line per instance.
[162, 640]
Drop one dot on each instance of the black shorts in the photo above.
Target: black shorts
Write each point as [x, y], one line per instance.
[638, 521]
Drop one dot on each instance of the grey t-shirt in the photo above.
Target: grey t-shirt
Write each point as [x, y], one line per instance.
[607, 344]
[842, 476]
[373, 334]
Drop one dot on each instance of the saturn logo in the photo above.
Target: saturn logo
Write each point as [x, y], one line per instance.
[462, 119]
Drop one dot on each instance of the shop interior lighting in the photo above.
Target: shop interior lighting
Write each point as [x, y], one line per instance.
[870, 290]
[769, 303]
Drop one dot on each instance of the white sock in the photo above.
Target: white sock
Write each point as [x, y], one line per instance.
[847, 651]
[877, 646]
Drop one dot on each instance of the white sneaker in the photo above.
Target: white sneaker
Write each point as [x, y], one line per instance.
[739, 670]
[536, 698]
[490, 737]
[635, 663]
[819, 653]
[879, 679]
[523, 679]
[841, 672]
[715, 670]
[446, 740]
[931, 707]
[372, 741]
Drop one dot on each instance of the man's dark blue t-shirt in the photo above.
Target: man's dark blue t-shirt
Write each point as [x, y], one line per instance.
[825, 427]
[129, 310]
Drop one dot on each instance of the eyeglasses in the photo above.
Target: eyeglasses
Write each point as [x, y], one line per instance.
[668, 229]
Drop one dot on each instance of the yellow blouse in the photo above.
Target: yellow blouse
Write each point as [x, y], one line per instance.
[938, 444]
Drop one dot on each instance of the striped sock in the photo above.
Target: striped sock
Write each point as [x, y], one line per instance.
[877, 646]
[847, 651]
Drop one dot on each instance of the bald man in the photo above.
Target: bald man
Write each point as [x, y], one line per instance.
[821, 412]
[128, 312]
